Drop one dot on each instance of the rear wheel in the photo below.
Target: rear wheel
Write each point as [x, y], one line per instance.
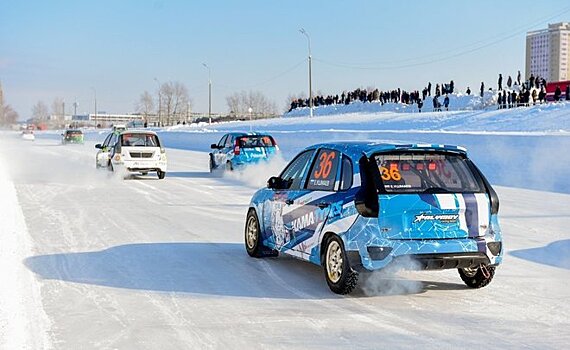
[229, 166]
[161, 174]
[340, 277]
[477, 277]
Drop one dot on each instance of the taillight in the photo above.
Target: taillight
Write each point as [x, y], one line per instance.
[117, 157]
[162, 150]
[236, 148]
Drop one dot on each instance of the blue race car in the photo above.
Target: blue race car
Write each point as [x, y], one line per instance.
[237, 149]
[356, 207]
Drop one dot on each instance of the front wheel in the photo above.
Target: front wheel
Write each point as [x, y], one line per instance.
[229, 166]
[253, 244]
[340, 277]
[161, 174]
[212, 163]
[477, 277]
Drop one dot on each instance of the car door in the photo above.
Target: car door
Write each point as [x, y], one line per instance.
[312, 204]
[218, 152]
[103, 153]
[279, 209]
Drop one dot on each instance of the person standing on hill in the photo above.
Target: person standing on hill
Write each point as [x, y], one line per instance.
[429, 88]
[468, 91]
[557, 94]
[509, 82]
[420, 105]
[519, 78]
[500, 82]
[446, 102]
[567, 96]
[482, 88]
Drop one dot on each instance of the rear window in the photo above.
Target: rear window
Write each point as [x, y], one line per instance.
[74, 133]
[425, 172]
[256, 141]
[139, 140]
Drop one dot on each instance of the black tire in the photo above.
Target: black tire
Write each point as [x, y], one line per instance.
[161, 174]
[212, 163]
[252, 238]
[477, 277]
[110, 166]
[229, 166]
[340, 276]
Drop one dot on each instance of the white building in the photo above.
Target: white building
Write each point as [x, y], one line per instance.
[547, 52]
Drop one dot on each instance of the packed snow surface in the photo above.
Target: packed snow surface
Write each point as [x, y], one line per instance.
[92, 261]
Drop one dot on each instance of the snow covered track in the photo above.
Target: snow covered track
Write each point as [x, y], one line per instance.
[146, 264]
[23, 323]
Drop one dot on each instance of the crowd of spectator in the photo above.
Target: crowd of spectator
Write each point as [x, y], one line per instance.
[382, 97]
[516, 93]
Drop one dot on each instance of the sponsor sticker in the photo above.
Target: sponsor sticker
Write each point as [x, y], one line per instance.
[445, 218]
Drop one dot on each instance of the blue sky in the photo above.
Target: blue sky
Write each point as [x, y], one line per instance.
[67, 49]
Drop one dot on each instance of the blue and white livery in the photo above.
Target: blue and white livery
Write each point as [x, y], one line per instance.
[354, 207]
[237, 149]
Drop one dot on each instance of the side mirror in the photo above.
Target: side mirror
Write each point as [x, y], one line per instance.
[98, 146]
[277, 183]
[272, 182]
[214, 146]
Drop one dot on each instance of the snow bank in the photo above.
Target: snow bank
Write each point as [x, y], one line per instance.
[23, 322]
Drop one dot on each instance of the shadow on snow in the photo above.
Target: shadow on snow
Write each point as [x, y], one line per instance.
[555, 254]
[222, 269]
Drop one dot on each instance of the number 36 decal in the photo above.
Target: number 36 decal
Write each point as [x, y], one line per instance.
[325, 165]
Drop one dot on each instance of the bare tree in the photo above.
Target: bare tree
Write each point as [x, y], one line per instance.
[145, 105]
[7, 114]
[40, 111]
[10, 115]
[57, 108]
[239, 104]
[175, 102]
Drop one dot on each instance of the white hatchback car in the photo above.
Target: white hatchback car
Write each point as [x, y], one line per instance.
[28, 135]
[135, 151]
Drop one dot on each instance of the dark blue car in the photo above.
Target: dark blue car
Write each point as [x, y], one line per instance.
[357, 207]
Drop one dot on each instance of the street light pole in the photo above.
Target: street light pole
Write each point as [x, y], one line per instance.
[304, 32]
[159, 103]
[209, 93]
[95, 115]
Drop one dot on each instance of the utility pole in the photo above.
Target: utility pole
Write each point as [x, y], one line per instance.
[209, 93]
[304, 32]
[159, 103]
[95, 115]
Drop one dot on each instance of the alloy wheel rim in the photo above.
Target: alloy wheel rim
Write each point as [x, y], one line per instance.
[251, 232]
[334, 261]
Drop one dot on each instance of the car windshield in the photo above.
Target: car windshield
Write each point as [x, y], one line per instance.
[256, 141]
[142, 140]
[426, 172]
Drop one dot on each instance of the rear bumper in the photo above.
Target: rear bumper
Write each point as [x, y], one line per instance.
[367, 248]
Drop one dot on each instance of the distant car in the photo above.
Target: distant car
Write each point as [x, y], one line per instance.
[238, 149]
[135, 151]
[356, 207]
[28, 135]
[72, 136]
[119, 127]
